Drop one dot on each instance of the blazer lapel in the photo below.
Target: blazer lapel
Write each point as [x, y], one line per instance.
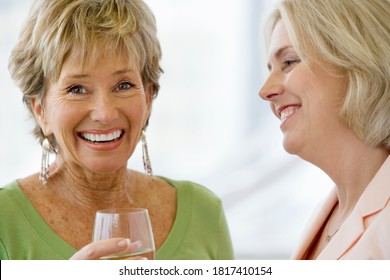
[373, 200]
[348, 234]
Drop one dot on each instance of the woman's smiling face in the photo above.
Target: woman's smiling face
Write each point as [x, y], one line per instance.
[305, 97]
[96, 112]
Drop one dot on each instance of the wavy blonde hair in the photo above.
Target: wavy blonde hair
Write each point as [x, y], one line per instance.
[57, 28]
[353, 36]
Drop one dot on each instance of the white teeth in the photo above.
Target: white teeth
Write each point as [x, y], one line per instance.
[288, 111]
[102, 137]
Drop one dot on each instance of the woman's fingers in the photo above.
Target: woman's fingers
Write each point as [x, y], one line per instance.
[98, 249]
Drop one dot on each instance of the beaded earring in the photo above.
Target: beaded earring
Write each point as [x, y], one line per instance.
[44, 174]
[145, 155]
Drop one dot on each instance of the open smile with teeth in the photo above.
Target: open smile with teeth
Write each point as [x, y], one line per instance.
[288, 112]
[102, 138]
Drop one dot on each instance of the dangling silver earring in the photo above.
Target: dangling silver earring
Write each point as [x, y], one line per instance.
[145, 155]
[44, 174]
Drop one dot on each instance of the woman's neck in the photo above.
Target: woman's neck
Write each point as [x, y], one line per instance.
[91, 190]
[351, 164]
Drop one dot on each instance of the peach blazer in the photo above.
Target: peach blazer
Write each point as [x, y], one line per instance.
[365, 234]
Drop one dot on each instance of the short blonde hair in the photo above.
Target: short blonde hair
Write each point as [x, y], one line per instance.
[57, 28]
[354, 36]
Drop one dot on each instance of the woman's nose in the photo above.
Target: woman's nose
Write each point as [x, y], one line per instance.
[104, 108]
[272, 87]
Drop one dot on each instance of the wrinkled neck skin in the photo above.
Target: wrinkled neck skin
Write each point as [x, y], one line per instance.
[92, 191]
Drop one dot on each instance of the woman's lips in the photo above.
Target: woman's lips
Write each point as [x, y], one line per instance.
[102, 140]
[288, 111]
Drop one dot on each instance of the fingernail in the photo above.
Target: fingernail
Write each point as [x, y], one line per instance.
[124, 243]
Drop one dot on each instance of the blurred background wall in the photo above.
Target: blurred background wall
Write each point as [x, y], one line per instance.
[208, 124]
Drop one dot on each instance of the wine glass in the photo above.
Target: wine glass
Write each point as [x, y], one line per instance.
[131, 223]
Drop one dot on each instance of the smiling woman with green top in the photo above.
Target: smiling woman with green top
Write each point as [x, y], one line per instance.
[89, 71]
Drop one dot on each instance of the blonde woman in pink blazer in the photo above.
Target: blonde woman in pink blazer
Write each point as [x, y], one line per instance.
[329, 84]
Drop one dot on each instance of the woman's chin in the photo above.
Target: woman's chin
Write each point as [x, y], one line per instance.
[291, 147]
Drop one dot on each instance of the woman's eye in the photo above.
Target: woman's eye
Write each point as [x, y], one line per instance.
[125, 86]
[77, 90]
[290, 62]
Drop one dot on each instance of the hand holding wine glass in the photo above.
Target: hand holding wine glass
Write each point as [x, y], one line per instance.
[133, 224]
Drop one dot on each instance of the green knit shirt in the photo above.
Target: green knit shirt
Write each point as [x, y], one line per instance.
[199, 232]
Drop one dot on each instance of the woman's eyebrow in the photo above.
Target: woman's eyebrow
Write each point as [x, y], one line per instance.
[281, 50]
[123, 71]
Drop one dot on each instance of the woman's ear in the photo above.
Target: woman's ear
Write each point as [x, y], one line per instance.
[38, 111]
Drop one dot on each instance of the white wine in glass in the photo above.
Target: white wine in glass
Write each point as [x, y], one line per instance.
[131, 223]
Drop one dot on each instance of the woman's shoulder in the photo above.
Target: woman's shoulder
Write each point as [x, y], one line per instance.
[8, 189]
[12, 195]
[11, 199]
[198, 193]
[187, 184]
